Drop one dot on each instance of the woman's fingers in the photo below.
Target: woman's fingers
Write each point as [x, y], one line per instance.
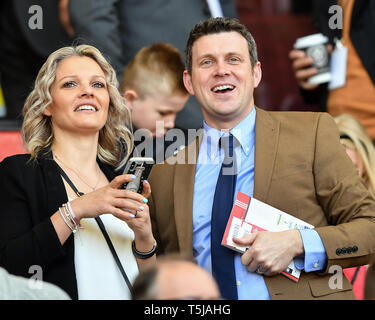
[127, 194]
[129, 205]
[112, 199]
[146, 192]
[117, 182]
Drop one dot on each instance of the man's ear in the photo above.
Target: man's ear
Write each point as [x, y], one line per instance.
[187, 82]
[257, 74]
[130, 96]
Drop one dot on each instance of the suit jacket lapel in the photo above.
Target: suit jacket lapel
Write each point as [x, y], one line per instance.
[266, 143]
[183, 190]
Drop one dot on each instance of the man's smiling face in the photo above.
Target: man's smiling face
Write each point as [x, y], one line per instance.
[222, 78]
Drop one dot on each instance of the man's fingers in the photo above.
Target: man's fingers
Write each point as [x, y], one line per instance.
[246, 240]
[303, 63]
[296, 54]
[304, 74]
[253, 266]
[302, 77]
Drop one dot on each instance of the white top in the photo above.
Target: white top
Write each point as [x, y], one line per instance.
[98, 276]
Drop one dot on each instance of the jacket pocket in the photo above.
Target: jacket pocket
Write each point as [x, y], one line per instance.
[323, 287]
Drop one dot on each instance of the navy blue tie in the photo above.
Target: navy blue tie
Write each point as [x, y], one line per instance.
[223, 258]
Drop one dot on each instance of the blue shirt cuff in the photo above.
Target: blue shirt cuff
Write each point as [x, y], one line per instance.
[315, 257]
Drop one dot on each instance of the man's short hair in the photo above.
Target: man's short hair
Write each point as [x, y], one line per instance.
[218, 25]
[156, 68]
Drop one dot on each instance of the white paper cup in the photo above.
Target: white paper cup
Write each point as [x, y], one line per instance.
[315, 47]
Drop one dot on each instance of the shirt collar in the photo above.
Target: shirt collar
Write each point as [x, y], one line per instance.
[244, 132]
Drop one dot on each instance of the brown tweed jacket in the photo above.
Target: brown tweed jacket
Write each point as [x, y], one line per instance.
[300, 168]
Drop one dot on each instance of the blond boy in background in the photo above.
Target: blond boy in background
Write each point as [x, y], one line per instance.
[153, 88]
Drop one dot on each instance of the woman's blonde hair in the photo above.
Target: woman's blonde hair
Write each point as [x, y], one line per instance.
[115, 138]
[354, 136]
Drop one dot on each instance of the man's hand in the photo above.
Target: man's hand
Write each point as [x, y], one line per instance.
[303, 68]
[270, 252]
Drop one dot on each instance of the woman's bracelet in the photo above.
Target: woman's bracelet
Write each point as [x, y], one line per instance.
[144, 255]
[66, 218]
[70, 210]
[69, 217]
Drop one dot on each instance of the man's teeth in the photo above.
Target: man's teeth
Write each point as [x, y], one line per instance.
[86, 107]
[223, 87]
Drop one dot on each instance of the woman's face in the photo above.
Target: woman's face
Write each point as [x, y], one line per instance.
[80, 98]
[356, 159]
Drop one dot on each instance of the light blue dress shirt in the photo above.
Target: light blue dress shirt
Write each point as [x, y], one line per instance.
[250, 286]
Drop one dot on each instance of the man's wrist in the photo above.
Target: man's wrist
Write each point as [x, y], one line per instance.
[297, 243]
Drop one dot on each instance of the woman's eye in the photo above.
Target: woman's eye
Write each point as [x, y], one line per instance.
[69, 84]
[98, 84]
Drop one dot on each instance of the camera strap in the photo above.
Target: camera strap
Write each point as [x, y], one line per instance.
[102, 228]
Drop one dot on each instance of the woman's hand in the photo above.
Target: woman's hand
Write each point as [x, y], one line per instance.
[109, 199]
[126, 205]
[141, 223]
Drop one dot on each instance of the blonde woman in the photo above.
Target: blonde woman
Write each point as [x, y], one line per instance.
[74, 128]
[361, 151]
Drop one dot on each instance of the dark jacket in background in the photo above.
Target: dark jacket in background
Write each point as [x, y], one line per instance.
[24, 50]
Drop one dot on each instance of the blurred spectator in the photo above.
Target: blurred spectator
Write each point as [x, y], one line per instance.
[361, 151]
[29, 32]
[175, 278]
[357, 96]
[19, 288]
[120, 28]
[359, 147]
[370, 283]
[154, 91]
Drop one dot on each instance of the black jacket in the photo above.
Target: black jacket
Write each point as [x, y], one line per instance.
[30, 193]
